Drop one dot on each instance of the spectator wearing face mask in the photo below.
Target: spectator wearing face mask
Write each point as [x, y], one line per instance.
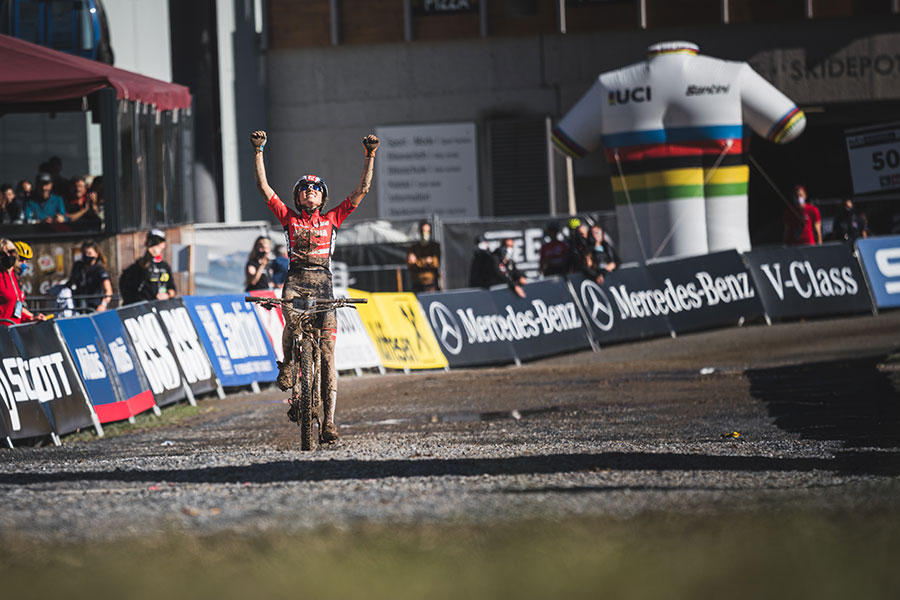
[497, 267]
[423, 260]
[150, 277]
[848, 224]
[257, 271]
[802, 221]
[12, 298]
[89, 279]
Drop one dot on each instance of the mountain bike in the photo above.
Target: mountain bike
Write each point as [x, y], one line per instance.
[306, 357]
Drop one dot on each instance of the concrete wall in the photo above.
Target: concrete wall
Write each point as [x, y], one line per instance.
[139, 35]
[321, 101]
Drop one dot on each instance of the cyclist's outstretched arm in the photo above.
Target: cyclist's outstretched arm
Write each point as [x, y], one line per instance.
[365, 182]
[258, 139]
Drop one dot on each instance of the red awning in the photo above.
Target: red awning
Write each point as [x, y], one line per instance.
[34, 74]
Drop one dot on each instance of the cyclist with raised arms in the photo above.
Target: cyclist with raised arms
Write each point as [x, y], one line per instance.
[309, 235]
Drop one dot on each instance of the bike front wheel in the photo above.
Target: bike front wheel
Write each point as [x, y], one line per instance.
[307, 391]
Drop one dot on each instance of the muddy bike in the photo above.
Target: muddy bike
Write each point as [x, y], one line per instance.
[306, 358]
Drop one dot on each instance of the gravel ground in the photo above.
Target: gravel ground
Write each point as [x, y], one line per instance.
[631, 429]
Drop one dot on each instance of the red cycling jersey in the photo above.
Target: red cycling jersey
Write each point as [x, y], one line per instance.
[310, 237]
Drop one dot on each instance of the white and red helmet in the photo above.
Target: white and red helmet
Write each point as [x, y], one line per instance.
[313, 181]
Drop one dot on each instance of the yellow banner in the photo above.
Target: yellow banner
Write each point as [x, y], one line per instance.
[401, 332]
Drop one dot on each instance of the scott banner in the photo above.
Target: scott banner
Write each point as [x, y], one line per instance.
[469, 327]
[189, 352]
[881, 259]
[624, 308]
[47, 375]
[546, 322]
[127, 376]
[400, 331]
[809, 281]
[154, 352]
[234, 338]
[21, 412]
[703, 292]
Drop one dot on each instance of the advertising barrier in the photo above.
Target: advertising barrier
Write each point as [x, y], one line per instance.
[129, 381]
[272, 321]
[809, 281]
[880, 258]
[546, 322]
[469, 328]
[154, 352]
[617, 311]
[95, 366]
[354, 349]
[400, 331]
[188, 349]
[22, 414]
[703, 292]
[234, 339]
[47, 375]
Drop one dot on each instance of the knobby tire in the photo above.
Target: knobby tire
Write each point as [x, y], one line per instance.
[307, 391]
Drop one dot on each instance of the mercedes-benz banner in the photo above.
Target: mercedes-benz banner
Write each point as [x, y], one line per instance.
[469, 327]
[233, 337]
[47, 376]
[186, 344]
[623, 308]
[22, 413]
[706, 291]
[809, 281]
[546, 322]
[154, 352]
[130, 379]
[881, 259]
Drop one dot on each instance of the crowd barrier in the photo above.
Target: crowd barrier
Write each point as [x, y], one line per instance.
[60, 376]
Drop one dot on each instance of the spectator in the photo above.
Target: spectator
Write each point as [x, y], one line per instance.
[79, 205]
[150, 277]
[280, 266]
[25, 254]
[12, 298]
[603, 253]
[95, 197]
[257, 274]
[89, 278]
[45, 206]
[10, 211]
[505, 254]
[423, 260]
[802, 221]
[492, 268]
[849, 225]
[554, 257]
[580, 244]
[23, 195]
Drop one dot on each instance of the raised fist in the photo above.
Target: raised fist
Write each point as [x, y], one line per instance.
[258, 139]
[371, 143]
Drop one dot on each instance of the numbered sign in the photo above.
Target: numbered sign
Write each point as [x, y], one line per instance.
[874, 154]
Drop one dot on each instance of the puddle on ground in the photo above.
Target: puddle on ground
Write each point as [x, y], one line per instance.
[461, 417]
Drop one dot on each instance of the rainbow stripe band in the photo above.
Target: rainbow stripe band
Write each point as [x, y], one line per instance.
[674, 184]
[785, 124]
[673, 135]
[566, 144]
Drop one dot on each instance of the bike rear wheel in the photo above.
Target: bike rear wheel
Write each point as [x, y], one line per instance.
[307, 394]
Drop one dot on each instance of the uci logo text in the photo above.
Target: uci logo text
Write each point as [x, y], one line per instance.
[638, 94]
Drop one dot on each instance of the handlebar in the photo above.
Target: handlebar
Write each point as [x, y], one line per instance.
[305, 304]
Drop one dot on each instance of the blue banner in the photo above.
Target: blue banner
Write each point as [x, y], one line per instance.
[234, 339]
[132, 382]
[94, 365]
[881, 260]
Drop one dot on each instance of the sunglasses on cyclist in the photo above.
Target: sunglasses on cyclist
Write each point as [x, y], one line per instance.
[307, 186]
[12, 252]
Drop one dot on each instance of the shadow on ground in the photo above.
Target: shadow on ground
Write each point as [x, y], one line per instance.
[852, 401]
